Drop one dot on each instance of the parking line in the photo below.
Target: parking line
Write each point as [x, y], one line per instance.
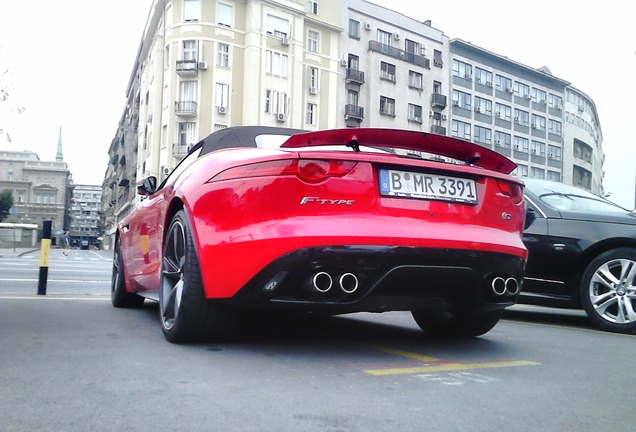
[448, 367]
[403, 353]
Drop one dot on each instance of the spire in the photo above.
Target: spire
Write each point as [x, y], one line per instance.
[59, 157]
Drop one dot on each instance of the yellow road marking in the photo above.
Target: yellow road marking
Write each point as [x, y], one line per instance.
[403, 353]
[447, 367]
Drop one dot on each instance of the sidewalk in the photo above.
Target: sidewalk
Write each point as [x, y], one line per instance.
[18, 252]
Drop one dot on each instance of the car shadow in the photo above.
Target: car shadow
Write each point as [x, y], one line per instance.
[549, 316]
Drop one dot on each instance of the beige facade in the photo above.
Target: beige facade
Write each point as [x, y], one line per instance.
[41, 189]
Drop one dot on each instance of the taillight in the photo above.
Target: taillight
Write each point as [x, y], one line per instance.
[512, 190]
[309, 170]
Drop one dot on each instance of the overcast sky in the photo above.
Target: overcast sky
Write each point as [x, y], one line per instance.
[72, 59]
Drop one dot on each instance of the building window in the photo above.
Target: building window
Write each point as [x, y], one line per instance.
[539, 96]
[387, 106]
[312, 111]
[224, 14]
[223, 55]
[166, 57]
[218, 127]
[521, 144]
[353, 62]
[415, 80]
[483, 77]
[437, 58]
[461, 99]
[522, 117]
[354, 29]
[222, 95]
[538, 122]
[521, 170]
[276, 102]
[387, 71]
[190, 50]
[186, 133]
[538, 173]
[352, 97]
[502, 83]
[313, 78]
[522, 90]
[462, 70]
[555, 101]
[188, 91]
[191, 10]
[554, 176]
[415, 113]
[313, 7]
[460, 129]
[503, 139]
[276, 63]
[384, 38]
[554, 127]
[312, 41]
[483, 106]
[537, 148]
[483, 135]
[276, 26]
[503, 111]
[554, 152]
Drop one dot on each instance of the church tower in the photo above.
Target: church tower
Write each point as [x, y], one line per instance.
[59, 156]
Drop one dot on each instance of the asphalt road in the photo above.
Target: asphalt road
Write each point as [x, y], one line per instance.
[69, 361]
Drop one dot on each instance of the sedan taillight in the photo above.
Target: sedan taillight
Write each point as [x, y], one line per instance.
[309, 170]
[512, 190]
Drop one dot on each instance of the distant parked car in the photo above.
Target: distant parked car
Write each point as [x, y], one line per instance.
[330, 222]
[581, 254]
[84, 244]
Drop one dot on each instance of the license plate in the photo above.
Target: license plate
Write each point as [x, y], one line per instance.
[427, 186]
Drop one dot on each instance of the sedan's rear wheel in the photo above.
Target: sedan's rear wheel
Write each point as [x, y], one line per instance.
[186, 314]
[119, 297]
[608, 290]
[458, 324]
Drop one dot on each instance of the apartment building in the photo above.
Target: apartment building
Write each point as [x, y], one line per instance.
[394, 70]
[550, 129]
[85, 227]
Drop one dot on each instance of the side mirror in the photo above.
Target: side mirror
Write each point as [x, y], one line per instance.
[148, 186]
[531, 215]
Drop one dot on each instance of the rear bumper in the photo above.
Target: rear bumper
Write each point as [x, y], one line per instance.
[386, 279]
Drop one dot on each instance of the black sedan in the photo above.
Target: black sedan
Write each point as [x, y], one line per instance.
[582, 254]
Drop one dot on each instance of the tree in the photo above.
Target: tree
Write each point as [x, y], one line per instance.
[6, 202]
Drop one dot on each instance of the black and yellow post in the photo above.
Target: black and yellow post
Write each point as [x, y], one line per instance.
[45, 253]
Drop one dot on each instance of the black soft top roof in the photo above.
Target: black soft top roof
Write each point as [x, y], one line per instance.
[240, 136]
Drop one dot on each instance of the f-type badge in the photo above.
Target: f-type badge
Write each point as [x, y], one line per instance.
[323, 201]
[506, 216]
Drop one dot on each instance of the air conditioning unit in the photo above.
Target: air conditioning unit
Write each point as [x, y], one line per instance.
[313, 90]
[396, 36]
[509, 90]
[423, 51]
[467, 76]
[456, 103]
[222, 110]
[488, 84]
[202, 65]
[526, 96]
[497, 142]
[444, 117]
[280, 117]
[477, 109]
[497, 114]
[516, 146]
[149, 118]
[285, 41]
[534, 126]
[516, 119]
[344, 63]
[367, 26]
[166, 171]
[542, 101]
[534, 151]
[430, 113]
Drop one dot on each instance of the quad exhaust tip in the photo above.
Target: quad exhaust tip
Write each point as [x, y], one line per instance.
[348, 283]
[322, 282]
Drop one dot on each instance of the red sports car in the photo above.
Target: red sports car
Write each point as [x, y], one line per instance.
[331, 222]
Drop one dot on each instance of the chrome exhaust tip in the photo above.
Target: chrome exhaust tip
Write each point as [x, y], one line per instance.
[322, 282]
[498, 285]
[512, 286]
[348, 282]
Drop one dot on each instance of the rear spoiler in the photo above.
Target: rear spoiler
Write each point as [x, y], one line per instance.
[441, 145]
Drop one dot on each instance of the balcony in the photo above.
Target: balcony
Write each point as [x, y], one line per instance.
[187, 67]
[179, 151]
[438, 100]
[185, 108]
[397, 53]
[354, 76]
[354, 112]
[440, 130]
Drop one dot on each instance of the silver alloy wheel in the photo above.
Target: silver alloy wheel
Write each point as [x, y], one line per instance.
[612, 291]
[172, 278]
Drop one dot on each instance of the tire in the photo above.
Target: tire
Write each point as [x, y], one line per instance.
[459, 325]
[119, 296]
[608, 290]
[186, 314]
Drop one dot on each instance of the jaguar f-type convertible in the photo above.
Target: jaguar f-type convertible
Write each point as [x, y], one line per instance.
[327, 222]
